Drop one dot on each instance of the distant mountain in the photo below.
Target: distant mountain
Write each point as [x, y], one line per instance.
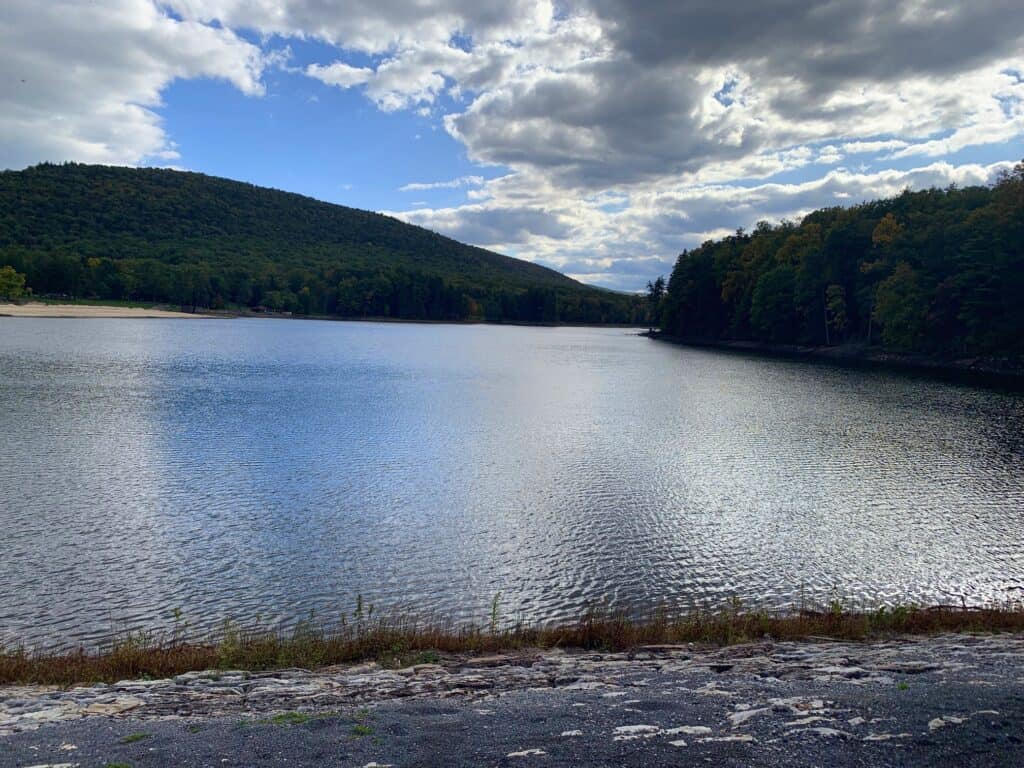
[198, 241]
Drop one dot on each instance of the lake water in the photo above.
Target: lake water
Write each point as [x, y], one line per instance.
[234, 468]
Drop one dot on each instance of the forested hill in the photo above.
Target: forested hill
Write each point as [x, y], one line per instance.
[938, 272]
[197, 241]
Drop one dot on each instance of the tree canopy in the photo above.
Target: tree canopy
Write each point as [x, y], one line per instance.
[12, 283]
[935, 272]
[196, 241]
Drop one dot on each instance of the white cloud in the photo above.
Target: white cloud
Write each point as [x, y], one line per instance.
[864, 147]
[829, 155]
[461, 181]
[81, 80]
[340, 74]
[374, 26]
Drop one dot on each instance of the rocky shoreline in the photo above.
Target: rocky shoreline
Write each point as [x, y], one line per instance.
[763, 692]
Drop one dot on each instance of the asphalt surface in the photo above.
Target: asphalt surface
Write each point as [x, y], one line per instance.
[663, 718]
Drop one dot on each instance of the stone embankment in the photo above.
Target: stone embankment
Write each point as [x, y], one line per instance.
[897, 694]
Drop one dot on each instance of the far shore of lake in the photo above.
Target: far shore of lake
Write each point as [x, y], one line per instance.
[96, 308]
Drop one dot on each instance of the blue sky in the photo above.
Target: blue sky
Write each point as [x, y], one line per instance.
[308, 137]
[600, 137]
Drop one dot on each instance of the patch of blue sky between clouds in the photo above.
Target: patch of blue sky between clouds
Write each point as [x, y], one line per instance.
[309, 137]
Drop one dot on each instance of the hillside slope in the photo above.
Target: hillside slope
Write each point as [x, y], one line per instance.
[200, 241]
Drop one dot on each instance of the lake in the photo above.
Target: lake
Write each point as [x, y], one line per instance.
[273, 468]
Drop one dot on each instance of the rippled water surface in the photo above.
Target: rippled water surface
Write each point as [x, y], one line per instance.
[273, 467]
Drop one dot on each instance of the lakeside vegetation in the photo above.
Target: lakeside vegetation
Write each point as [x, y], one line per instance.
[398, 641]
[188, 240]
[936, 273]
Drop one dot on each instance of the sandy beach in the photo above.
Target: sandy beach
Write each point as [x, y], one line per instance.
[38, 309]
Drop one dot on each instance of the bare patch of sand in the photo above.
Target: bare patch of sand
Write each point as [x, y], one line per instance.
[36, 309]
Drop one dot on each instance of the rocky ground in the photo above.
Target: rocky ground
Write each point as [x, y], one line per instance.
[945, 701]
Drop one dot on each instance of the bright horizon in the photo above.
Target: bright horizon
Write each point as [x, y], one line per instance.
[598, 137]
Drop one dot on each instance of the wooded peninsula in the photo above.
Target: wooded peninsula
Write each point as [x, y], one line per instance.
[936, 273]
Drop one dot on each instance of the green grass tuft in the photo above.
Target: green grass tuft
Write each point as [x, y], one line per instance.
[291, 718]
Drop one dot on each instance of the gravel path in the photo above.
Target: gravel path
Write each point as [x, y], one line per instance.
[945, 701]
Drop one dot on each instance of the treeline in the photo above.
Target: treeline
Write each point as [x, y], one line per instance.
[200, 242]
[937, 272]
[390, 293]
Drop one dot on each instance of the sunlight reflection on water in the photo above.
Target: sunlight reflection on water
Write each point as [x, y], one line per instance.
[273, 467]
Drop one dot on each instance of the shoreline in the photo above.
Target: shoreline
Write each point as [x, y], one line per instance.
[413, 321]
[964, 370]
[107, 311]
[398, 640]
[904, 700]
[41, 309]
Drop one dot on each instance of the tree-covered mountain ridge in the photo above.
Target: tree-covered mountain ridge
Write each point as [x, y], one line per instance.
[183, 238]
[938, 273]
